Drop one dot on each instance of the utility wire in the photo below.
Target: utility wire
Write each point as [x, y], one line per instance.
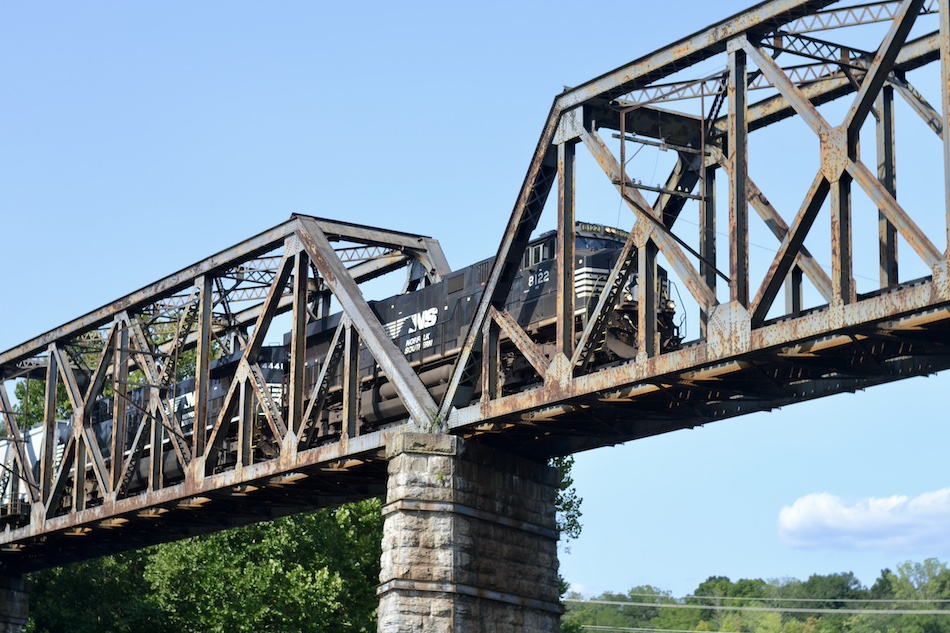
[597, 627]
[695, 597]
[713, 607]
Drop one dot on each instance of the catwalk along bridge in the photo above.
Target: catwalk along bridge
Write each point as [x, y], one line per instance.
[260, 382]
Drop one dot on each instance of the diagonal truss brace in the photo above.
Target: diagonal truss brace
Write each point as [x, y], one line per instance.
[422, 409]
[521, 340]
[13, 430]
[644, 212]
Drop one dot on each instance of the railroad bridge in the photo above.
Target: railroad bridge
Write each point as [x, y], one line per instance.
[167, 413]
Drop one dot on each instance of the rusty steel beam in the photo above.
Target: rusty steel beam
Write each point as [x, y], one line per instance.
[422, 410]
[896, 215]
[669, 245]
[245, 251]
[514, 332]
[789, 250]
[524, 219]
[856, 15]
[882, 65]
[564, 255]
[944, 49]
[773, 220]
[918, 102]
[16, 437]
[913, 55]
[762, 18]
[738, 161]
[887, 174]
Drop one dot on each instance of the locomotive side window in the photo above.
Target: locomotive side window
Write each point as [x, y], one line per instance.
[537, 253]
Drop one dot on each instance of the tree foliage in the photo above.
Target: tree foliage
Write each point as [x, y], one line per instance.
[723, 605]
[568, 501]
[108, 595]
[31, 402]
[314, 573]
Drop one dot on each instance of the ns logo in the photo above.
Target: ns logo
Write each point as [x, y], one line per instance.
[418, 321]
[424, 319]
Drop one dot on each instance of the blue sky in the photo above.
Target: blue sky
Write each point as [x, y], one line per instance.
[138, 138]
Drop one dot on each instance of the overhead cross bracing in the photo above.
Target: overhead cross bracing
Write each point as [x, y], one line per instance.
[222, 427]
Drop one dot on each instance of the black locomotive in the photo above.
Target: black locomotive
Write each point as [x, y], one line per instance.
[430, 324]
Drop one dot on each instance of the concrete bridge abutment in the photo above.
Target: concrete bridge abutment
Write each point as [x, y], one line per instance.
[469, 540]
[14, 603]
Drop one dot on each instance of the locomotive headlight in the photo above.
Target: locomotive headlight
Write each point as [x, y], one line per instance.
[671, 306]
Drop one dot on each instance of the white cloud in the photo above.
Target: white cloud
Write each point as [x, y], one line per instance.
[892, 523]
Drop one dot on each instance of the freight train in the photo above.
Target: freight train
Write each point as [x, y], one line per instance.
[428, 325]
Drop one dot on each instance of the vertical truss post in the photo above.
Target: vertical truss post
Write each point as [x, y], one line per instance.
[842, 284]
[120, 387]
[49, 422]
[203, 365]
[647, 340]
[707, 238]
[246, 414]
[565, 247]
[945, 101]
[351, 381]
[298, 345]
[491, 346]
[887, 174]
[793, 291]
[321, 301]
[155, 473]
[79, 475]
[738, 131]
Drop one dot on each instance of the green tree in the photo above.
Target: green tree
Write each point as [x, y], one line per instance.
[31, 402]
[637, 614]
[884, 587]
[568, 501]
[830, 588]
[108, 595]
[314, 573]
[929, 580]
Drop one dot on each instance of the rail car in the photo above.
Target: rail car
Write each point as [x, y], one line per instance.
[428, 325]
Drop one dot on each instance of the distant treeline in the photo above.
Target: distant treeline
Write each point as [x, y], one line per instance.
[914, 598]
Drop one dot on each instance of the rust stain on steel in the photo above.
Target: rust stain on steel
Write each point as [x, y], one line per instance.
[370, 443]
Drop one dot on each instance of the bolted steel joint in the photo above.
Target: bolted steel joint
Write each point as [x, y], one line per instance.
[834, 153]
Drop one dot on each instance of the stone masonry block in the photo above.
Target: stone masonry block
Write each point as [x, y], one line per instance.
[457, 529]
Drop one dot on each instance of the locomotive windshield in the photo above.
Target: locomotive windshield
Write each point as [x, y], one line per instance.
[589, 237]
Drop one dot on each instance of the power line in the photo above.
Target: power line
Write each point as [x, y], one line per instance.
[885, 600]
[597, 627]
[716, 607]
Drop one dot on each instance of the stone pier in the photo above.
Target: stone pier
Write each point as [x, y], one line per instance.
[14, 603]
[469, 540]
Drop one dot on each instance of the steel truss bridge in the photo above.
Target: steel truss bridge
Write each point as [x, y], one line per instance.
[837, 69]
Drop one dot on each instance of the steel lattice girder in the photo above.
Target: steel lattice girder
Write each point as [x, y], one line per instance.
[577, 112]
[747, 359]
[287, 269]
